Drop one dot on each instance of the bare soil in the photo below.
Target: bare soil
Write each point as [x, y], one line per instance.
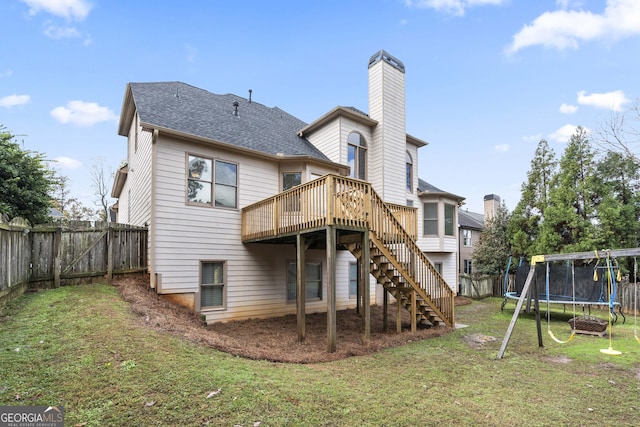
[275, 339]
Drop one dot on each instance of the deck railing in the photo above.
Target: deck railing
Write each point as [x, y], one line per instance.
[342, 201]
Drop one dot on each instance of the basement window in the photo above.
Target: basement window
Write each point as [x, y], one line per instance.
[212, 284]
[313, 282]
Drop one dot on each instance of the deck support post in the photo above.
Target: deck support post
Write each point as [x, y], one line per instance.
[414, 313]
[331, 289]
[364, 288]
[385, 309]
[398, 312]
[300, 286]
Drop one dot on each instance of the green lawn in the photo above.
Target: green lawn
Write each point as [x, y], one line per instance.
[81, 347]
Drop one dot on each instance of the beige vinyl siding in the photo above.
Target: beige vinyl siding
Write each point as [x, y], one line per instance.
[261, 292]
[134, 203]
[185, 235]
[327, 140]
[387, 106]
[449, 267]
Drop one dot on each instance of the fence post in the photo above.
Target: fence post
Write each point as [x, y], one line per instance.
[57, 257]
[110, 239]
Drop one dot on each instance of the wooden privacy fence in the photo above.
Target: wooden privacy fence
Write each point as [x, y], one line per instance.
[50, 256]
[473, 286]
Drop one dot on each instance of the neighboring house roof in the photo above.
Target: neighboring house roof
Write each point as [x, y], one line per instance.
[55, 213]
[424, 189]
[189, 110]
[470, 220]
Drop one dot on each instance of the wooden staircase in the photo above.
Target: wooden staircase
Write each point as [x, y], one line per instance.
[396, 261]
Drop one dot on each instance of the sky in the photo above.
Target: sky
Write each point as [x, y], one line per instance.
[486, 80]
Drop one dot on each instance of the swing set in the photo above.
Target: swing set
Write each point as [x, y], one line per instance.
[602, 291]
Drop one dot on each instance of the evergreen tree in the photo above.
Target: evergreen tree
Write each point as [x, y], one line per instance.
[618, 204]
[525, 220]
[493, 249]
[569, 219]
[25, 181]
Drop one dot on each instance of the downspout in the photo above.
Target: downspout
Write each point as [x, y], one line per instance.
[156, 282]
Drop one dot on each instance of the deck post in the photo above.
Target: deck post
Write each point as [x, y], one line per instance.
[331, 289]
[385, 309]
[414, 312]
[364, 288]
[300, 286]
[398, 311]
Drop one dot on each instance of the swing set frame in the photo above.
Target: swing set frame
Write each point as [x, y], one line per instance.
[575, 256]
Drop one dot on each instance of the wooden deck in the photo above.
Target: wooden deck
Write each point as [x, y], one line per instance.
[348, 203]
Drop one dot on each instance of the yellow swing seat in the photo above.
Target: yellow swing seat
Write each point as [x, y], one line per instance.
[553, 337]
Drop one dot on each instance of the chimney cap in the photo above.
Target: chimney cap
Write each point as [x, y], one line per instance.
[383, 55]
[492, 197]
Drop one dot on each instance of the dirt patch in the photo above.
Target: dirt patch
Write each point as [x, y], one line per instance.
[559, 360]
[477, 341]
[275, 339]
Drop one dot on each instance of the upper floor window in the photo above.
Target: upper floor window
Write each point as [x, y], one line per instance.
[357, 155]
[212, 182]
[448, 220]
[466, 237]
[409, 173]
[430, 219]
[291, 179]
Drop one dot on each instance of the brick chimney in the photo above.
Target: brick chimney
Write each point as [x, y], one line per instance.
[491, 204]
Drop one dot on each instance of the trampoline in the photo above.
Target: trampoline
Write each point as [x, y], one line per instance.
[588, 292]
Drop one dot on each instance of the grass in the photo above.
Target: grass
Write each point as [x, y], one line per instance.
[82, 348]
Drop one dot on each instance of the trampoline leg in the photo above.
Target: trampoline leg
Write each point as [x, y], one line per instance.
[504, 302]
[624, 319]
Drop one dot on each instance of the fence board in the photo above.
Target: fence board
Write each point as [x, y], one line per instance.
[49, 256]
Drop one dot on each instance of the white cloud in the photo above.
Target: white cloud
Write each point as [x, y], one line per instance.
[568, 109]
[454, 7]
[13, 100]
[563, 29]
[7, 73]
[532, 138]
[56, 33]
[611, 100]
[82, 113]
[68, 162]
[502, 148]
[564, 133]
[69, 9]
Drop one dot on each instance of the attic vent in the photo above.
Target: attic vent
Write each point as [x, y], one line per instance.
[235, 109]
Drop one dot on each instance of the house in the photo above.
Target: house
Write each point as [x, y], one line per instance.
[471, 225]
[244, 201]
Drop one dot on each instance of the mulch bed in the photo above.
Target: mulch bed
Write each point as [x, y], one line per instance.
[274, 339]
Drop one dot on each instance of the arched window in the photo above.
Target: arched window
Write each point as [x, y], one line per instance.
[357, 155]
[409, 173]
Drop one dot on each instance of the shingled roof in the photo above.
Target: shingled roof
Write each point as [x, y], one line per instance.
[189, 110]
[424, 188]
